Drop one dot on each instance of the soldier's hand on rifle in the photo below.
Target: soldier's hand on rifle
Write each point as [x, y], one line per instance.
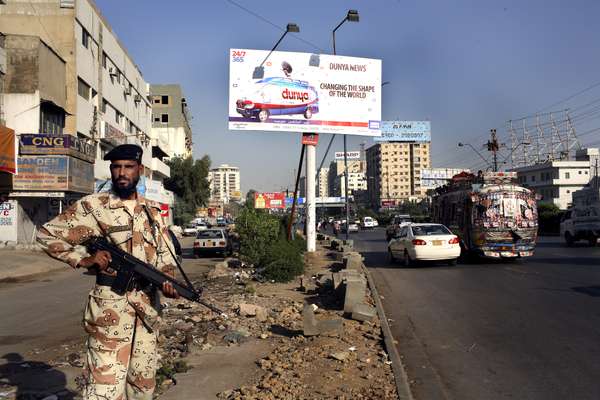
[100, 259]
[169, 291]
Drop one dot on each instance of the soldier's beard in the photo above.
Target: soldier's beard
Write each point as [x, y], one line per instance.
[125, 192]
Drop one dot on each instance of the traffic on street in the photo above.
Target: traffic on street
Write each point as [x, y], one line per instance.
[489, 329]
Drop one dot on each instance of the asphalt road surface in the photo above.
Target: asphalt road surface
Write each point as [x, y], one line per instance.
[40, 314]
[495, 330]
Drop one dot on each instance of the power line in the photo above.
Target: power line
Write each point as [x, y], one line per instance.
[256, 15]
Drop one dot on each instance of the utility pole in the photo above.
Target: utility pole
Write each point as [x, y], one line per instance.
[494, 146]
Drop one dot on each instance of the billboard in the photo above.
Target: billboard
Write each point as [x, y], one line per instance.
[52, 173]
[405, 131]
[269, 200]
[303, 92]
[432, 178]
[351, 155]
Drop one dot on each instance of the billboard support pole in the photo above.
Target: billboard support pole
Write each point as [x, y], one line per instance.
[291, 221]
[311, 166]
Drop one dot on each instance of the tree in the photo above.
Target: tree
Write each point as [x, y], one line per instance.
[190, 184]
[250, 198]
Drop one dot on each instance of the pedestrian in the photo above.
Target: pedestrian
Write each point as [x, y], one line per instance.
[121, 348]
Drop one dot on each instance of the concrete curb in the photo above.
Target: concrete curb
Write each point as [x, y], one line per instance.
[400, 375]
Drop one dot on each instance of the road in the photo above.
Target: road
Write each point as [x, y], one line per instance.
[495, 330]
[45, 312]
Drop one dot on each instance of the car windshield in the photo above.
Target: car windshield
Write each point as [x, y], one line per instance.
[430, 230]
[210, 234]
[190, 226]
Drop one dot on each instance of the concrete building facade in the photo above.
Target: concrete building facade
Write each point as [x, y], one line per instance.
[356, 177]
[323, 182]
[171, 121]
[555, 181]
[394, 172]
[88, 86]
[224, 183]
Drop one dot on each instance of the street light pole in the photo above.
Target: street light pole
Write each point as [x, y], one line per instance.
[351, 16]
[476, 152]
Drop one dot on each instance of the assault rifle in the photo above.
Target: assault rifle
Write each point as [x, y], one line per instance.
[131, 269]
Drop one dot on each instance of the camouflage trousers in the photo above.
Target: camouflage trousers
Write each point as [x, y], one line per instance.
[121, 354]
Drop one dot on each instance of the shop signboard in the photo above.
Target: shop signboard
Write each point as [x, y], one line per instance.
[41, 143]
[54, 173]
[405, 131]
[8, 150]
[304, 92]
[8, 220]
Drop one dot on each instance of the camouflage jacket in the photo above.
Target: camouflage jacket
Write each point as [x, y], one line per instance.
[104, 214]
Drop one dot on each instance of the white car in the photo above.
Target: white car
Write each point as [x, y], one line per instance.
[424, 242]
[368, 223]
[201, 227]
[212, 241]
[190, 230]
[353, 227]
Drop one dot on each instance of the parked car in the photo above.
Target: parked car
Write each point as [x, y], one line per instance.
[211, 241]
[397, 222]
[368, 223]
[427, 242]
[190, 230]
[221, 222]
[201, 226]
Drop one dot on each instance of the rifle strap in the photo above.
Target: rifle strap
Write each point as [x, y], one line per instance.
[156, 226]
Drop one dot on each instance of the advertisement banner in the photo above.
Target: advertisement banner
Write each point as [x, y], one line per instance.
[350, 155]
[8, 150]
[40, 143]
[432, 178]
[303, 92]
[50, 173]
[405, 131]
[269, 200]
[8, 220]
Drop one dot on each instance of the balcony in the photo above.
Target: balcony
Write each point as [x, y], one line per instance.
[160, 168]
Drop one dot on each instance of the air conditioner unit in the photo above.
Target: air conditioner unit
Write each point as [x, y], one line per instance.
[137, 98]
[112, 71]
[127, 91]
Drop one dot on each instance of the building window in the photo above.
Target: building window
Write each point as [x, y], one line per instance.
[567, 175]
[156, 118]
[83, 89]
[164, 99]
[156, 100]
[164, 118]
[104, 103]
[118, 117]
[532, 178]
[104, 60]
[579, 172]
[85, 38]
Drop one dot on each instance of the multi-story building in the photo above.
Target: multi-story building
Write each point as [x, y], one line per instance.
[105, 96]
[394, 172]
[555, 181]
[224, 183]
[323, 182]
[336, 182]
[171, 125]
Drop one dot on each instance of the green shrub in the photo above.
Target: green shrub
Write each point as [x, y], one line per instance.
[257, 230]
[284, 261]
[549, 216]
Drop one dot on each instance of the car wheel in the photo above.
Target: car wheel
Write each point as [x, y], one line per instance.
[452, 262]
[391, 256]
[407, 259]
[196, 255]
[308, 113]
[569, 239]
[263, 115]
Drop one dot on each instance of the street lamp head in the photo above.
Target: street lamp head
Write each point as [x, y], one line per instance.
[526, 142]
[293, 28]
[352, 16]
[460, 144]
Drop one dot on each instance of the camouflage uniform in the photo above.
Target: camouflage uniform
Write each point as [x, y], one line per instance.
[121, 347]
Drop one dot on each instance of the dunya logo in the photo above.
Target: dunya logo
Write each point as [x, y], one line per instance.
[293, 95]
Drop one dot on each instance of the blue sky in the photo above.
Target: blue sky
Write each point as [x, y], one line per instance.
[466, 65]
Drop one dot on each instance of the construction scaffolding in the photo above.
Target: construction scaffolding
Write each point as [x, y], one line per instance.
[542, 137]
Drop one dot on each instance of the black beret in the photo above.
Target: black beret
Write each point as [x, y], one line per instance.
[125, 152]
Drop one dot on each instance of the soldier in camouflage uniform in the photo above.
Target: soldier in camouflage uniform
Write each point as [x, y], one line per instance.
[121, 355]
